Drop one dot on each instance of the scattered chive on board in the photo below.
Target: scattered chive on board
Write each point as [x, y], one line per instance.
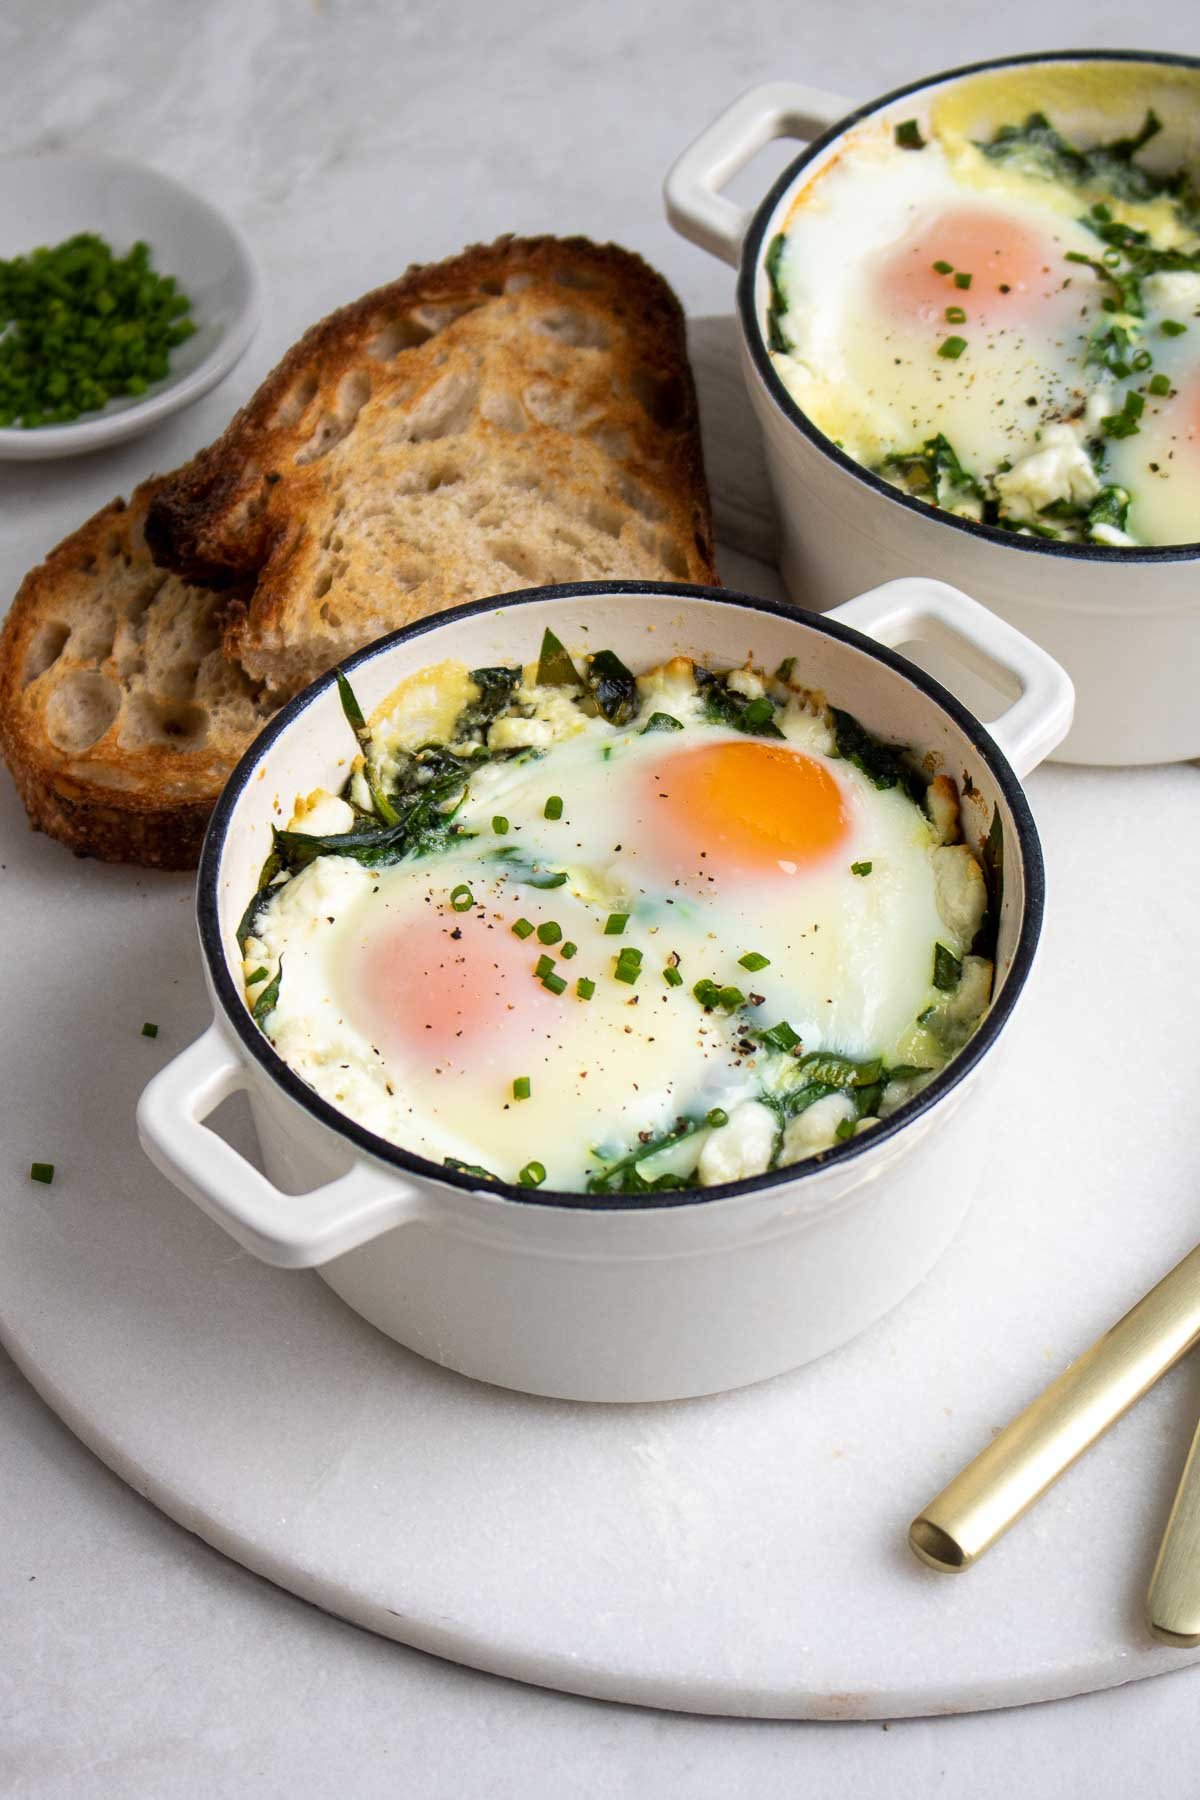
[80, 326]
[908, 135]
[41, 1172]
[149, 1029]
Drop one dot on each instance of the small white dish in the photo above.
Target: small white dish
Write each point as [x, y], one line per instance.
[44, 199]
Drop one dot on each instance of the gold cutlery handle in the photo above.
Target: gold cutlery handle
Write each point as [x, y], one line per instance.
[1173, 1603]
[1033, 1450]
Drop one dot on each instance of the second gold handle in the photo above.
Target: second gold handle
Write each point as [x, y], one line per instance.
[1173, 1604]
[992, 1492]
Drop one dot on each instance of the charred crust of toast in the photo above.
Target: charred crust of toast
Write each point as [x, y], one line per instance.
[185, 519]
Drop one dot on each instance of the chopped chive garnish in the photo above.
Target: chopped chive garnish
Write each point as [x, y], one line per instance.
[627, 972]
[955, 315]
[731, 998]
[1141, 361]
[1135, 405]
[499, 824]
[962, 279]
[553, 807]
[258, 975]
[550, 932]
[585, 987]
[754, 962]
[569, 950]
[532, 1175]
[779, 1037]
[947, 969]
[41, 1172]
[1160, 385]
[952, 348]
[943, 268]
[716, 1117]
[555, 983]
[908, 135]
[706, 991]
[672, 977]
[630, 953]
[461, 898]
[845, 1129]
[1172, 328]
[543, 966]
[615, 924]
[1119, 425]
[861, 868]
[522, 1088]
[149, 1029]
[523, 928]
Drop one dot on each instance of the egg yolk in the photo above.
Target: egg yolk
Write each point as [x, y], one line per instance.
[444, 988]
[1010, 264]
[744, 810]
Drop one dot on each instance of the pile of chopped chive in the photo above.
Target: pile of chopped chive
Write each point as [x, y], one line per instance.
[80, 326]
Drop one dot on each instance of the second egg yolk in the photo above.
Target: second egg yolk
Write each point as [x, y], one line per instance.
[1012, 267]
[744, 810]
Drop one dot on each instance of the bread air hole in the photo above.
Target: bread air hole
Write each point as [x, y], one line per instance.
[516, 557]
[603, 517]
[579, 329]
[444, 410]
[502, 408]
[661, 398]
[295, 402]
[47, 646]
[639, 499]
[397, 335]
[80, 710]
[353, 392]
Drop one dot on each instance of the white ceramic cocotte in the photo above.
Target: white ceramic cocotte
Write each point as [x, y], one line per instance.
[1124, 622]
[626, 1297]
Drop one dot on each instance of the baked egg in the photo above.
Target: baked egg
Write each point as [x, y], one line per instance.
[1006, 325]
[615, 934]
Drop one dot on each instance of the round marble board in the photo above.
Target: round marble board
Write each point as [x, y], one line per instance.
[744, 1554]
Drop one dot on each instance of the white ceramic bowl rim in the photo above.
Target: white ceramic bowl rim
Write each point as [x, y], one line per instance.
[752, 250]
[256, 1045]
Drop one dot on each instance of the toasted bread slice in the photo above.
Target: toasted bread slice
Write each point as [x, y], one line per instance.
[520, 414]
[120, 716]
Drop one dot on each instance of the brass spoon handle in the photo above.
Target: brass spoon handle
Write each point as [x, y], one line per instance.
[1173, 1604]
[992, 1492]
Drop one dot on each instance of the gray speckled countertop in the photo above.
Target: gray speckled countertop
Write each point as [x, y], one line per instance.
[348, 140]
